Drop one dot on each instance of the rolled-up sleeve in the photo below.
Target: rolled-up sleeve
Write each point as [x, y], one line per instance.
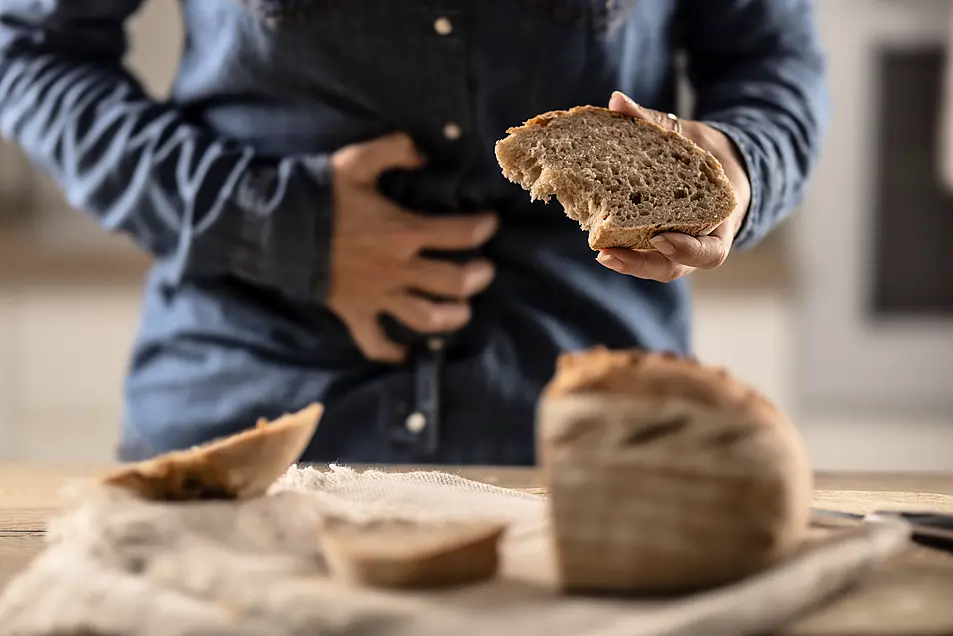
[759, 76]
[209, 206]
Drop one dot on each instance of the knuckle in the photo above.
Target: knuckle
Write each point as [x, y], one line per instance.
[458, 315]
[667, 274]
[430, 321]
[407, 224]
[380, 354]
[719, 259]
[468, 233]
[385, 354]
[417, 313]
[435, 318]
[463, 233]
[375, 346]
[458, 284]
[404, 144]
[681, 271]
[630, 270]
[372, 351]
[403, 233]
[476, 233]
[444, 316]
[398, 139]
[404, 246]
[343, 159]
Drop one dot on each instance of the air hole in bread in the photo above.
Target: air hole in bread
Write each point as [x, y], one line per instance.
[636, 198]
[680, 193]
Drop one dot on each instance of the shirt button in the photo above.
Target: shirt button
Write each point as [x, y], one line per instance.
[443, 26]
[416, 422]
[452, 131]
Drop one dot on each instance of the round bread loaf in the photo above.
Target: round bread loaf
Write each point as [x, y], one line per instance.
[666, 475]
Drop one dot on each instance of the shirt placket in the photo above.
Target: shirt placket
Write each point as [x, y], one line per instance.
[450, 105]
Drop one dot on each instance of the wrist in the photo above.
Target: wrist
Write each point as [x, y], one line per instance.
[736, 148]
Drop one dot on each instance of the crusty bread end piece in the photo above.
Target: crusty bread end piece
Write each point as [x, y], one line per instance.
[405, 554]
[624, 180]
[241, 466]
[666, 475]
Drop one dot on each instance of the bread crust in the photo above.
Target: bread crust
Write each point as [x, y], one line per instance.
[657, 376]
[240, 466]
[638, 237]
[544, 118]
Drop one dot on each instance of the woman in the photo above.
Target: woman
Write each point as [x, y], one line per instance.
[328, 220]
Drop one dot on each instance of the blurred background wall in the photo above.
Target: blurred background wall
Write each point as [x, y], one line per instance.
[835, 317]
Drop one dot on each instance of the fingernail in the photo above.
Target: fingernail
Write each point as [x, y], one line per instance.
[663, 245]
[610, 261]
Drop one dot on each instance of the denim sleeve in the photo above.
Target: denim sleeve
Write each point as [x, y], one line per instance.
[759, 76]
[207, 206]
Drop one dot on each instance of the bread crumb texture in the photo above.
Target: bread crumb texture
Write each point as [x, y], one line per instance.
[624, 180]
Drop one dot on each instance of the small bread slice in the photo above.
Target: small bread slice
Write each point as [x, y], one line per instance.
[240, 466]
[410, 554]
[666, 475]
[624, 180]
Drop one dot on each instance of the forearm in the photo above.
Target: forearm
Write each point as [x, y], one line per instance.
[209, 206]
[759, 76]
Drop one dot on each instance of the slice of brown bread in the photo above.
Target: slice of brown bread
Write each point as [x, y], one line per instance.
[624, 180]
[407, 554]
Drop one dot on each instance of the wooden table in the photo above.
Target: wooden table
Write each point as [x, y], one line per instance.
[911, 595]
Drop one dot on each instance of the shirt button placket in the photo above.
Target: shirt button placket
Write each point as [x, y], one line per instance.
[422, 424]
[444, 27]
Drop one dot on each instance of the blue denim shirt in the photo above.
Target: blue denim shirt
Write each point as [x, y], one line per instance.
[226, 184]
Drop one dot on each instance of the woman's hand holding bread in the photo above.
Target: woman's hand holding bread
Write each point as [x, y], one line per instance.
[679, 254]
[658, 197]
